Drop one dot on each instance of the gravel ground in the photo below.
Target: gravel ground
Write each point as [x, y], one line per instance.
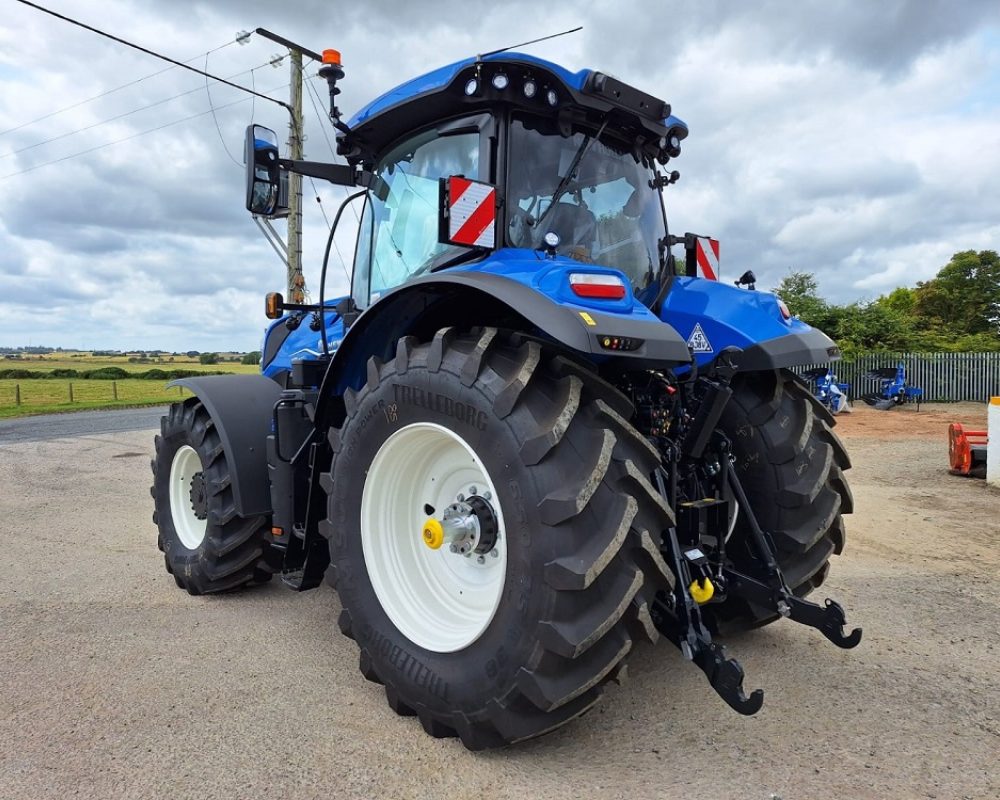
[114, 684]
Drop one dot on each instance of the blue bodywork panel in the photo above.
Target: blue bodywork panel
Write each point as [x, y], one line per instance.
[303, 342]
[441, 77]
[708, 314]
[550, 277]
[725, 316]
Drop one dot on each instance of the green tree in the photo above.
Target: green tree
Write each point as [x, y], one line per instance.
[900, 301]
[963, 299]
[208, 358]
[800, 291]
[251, 358]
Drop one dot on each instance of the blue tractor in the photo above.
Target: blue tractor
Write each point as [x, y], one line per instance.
[526, 440]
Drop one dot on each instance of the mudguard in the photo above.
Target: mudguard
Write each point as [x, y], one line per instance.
[536, 302]
[241, 406]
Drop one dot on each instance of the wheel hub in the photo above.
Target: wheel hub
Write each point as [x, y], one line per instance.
[469, 526]
[432, 536]
[199, 496]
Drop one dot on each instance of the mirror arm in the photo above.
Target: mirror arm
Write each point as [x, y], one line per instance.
[339, 174]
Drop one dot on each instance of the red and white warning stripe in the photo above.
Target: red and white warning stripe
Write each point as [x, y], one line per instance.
[472, 212]
[707, 251]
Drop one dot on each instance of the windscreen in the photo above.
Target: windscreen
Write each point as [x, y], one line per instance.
[593, 192]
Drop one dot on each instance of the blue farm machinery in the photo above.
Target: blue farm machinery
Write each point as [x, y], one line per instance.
[526, 441]
[831, 393]
[893, 388]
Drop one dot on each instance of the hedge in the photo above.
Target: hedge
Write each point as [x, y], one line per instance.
[104, 374]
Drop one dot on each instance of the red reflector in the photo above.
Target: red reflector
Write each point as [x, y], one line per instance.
[602, 287]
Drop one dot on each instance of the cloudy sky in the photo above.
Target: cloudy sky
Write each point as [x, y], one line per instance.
[859, 141]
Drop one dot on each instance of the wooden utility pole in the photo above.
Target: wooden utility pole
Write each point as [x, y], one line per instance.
[296, 280]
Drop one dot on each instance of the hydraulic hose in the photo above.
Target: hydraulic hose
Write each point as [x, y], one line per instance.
[326, 260]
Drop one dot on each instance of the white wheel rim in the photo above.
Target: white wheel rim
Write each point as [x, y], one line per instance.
[190, 529]
[439, 600]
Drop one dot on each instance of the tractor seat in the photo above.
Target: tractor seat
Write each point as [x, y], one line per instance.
[575, 226]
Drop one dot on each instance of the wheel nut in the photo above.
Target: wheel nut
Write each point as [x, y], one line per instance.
[487, 496]
[461, 498]
[472, 490]
[453, 548]
[481, 560]
[495, 553]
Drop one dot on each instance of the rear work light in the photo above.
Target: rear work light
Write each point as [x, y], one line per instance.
[601, 287]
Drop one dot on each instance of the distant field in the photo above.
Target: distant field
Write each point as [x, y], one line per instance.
[51, 395]
[87, 361]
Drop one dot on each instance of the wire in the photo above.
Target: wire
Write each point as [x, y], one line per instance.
[532, 41]
[340, 255]
[128, 138]
[148, 52]
[106, 93]
[313, 96]
[115, 118]
[215, 119]
[314, 99]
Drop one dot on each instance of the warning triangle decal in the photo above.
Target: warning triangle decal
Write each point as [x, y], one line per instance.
[698, 341]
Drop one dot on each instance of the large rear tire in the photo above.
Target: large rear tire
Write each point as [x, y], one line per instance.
[577, 522]
[206, 546]
[791, 465]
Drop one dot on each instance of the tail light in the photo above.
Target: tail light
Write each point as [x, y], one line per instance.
[600, 286]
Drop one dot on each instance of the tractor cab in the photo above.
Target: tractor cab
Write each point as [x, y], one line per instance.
[573, 160]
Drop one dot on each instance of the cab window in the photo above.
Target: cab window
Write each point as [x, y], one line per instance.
[398, 238]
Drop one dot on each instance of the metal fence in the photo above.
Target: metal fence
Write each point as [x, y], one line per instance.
[944, 377]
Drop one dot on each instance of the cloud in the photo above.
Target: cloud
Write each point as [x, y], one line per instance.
[861, 143]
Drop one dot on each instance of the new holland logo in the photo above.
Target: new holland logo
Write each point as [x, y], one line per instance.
[698, 341]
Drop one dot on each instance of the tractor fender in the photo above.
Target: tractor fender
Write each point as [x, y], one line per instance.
[716, 316]
[242, 408]
[423, 306]
[791, 350]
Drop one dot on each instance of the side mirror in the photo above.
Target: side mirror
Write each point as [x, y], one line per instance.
[263, 176]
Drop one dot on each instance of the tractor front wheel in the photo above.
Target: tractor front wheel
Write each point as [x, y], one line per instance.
[206, 546]
[491, 530]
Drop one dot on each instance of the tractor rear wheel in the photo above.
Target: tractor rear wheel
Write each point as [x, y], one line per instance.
[491, 530]
[791, 465]
[206, 546]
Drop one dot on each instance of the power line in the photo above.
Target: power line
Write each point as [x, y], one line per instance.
[117, 117]
[312, 91]
[215, 119]
[133, 136]
[314, 99]
[106, 93]
[148, 52]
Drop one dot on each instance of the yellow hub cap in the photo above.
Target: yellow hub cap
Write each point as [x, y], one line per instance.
[433, 534]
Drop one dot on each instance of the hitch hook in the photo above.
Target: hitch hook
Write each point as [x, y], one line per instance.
[725, 675]
[831, 625]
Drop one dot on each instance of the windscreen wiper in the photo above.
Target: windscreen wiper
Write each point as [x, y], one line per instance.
[564, 183]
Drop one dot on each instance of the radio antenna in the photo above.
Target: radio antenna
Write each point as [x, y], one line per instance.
[524, 44]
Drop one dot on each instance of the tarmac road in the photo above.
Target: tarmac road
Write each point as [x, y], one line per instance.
[114, 684]
[81, 423]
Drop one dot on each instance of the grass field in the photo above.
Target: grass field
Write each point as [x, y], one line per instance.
[50, 395]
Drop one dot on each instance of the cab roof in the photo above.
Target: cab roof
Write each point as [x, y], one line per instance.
[440, 93]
